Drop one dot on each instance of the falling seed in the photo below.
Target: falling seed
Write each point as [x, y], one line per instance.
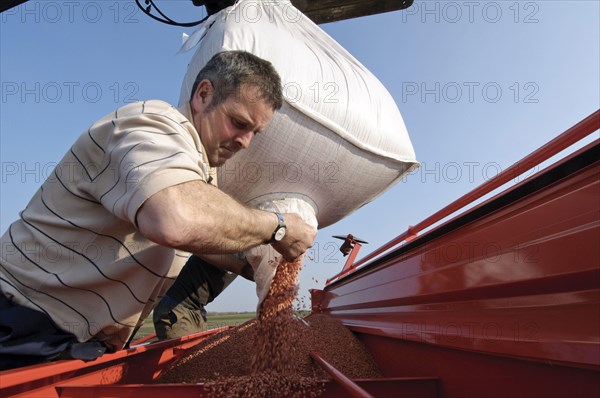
[270, 356]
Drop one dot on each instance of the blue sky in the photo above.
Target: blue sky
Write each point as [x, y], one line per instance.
[480, 85]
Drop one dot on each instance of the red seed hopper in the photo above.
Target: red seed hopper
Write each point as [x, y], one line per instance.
[500, 300]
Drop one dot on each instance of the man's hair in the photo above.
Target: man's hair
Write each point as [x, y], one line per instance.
[228, 71]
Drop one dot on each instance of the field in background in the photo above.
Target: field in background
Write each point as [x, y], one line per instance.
[215, 320]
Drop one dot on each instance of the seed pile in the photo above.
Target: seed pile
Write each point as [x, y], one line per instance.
[270, 356]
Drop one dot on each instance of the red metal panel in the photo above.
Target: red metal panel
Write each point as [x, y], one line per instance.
[418, 387]
[140, 364]
[466, 374]
[517, 289]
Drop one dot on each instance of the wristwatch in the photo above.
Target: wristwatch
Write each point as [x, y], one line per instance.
[279, 232]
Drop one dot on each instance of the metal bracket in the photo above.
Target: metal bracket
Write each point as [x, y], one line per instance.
[350, 248]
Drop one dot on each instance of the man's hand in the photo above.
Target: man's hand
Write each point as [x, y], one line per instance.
[299, 236]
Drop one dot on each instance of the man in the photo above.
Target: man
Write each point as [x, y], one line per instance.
[104, 237]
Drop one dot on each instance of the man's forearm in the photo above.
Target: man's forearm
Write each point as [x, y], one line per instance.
[199, 218]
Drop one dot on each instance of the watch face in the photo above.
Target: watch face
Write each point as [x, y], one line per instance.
[279, 234]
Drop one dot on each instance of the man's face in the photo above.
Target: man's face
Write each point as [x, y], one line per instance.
[228, 127]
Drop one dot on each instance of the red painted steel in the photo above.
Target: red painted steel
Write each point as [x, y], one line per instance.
[466, 374]
[408, 387]
[505, 305]
[351, 248]
[353, 389]
[139, 364]
[569, 137]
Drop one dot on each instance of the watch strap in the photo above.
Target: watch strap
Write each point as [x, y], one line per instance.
[280, 224]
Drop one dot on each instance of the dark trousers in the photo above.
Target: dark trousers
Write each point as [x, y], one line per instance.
[29, 337]
[181, 311]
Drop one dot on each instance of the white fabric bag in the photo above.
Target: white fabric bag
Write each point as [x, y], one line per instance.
[339, 140]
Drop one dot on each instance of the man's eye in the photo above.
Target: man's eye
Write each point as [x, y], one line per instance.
[238, 123]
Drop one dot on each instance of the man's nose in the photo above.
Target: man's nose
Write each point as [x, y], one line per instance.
[243, 140]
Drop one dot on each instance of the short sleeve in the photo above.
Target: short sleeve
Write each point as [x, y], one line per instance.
[142, 154]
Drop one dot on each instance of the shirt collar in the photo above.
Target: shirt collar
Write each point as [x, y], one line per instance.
[186, 111]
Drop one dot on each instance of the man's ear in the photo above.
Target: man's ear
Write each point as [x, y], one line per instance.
[202, 95]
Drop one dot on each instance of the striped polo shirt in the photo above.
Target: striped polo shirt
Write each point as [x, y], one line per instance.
[75, 253]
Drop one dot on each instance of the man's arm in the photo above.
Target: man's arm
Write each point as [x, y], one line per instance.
[201, 219]
[232, 263]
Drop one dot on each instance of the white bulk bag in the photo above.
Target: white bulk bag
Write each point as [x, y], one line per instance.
[339, 140]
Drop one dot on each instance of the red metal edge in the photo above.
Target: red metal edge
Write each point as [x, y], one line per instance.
[574, 134]
[413, 387]
[141, 362]
[344, 381]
